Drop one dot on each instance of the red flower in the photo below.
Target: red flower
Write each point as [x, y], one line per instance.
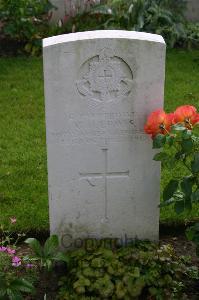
[171, 118]
[187, 115]
[158, 122]
[195, 120]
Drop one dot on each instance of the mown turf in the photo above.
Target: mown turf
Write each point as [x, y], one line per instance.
[23, 179]
[23, 172]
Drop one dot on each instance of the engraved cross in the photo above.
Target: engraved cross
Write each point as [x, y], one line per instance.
[105, 80]
[106, 74]
[104, 175]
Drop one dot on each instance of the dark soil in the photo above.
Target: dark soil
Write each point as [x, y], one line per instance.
[186, 248]
[182, 247]
[10, 48]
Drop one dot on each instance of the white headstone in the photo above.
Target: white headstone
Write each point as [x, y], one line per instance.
[100, 87]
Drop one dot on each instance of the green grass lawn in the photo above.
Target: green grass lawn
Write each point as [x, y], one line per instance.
[23, 172]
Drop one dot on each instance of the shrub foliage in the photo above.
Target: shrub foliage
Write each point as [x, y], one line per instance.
[141, 271]
[25, 21]
[164, 17]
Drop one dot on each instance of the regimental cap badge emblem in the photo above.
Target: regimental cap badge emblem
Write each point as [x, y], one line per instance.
[105, 78]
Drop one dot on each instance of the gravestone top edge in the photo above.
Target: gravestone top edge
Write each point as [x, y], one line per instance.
[102, 34]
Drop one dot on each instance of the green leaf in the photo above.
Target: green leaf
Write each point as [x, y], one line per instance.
[189, 233]
[170, 189]
[153, 291]
[196, 227]
[136, 272]
[167, 202]
[22, 285]
[195, 139]
[120, 290]
[2, 291]
[97, 262]
[187, 145]
[169, 140]
[51, 245]
[170, 162]
[188, 204]
[178, 127]
[186, 185]
[178, 196]
[195, 130]
[159, 141]
[81, 282]
[48, 264]
[135, 287]
[179, 206]
[186, 134]
[180, 155]
[192, 233]
[167, 160]
[35, 245]
[13, 295]
[195, 163]
[195, 196]
[61, 257]
[161, 156]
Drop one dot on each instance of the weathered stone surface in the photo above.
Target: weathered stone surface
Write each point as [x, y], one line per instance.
[192, 12]
[99, 88]
[70, 8]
